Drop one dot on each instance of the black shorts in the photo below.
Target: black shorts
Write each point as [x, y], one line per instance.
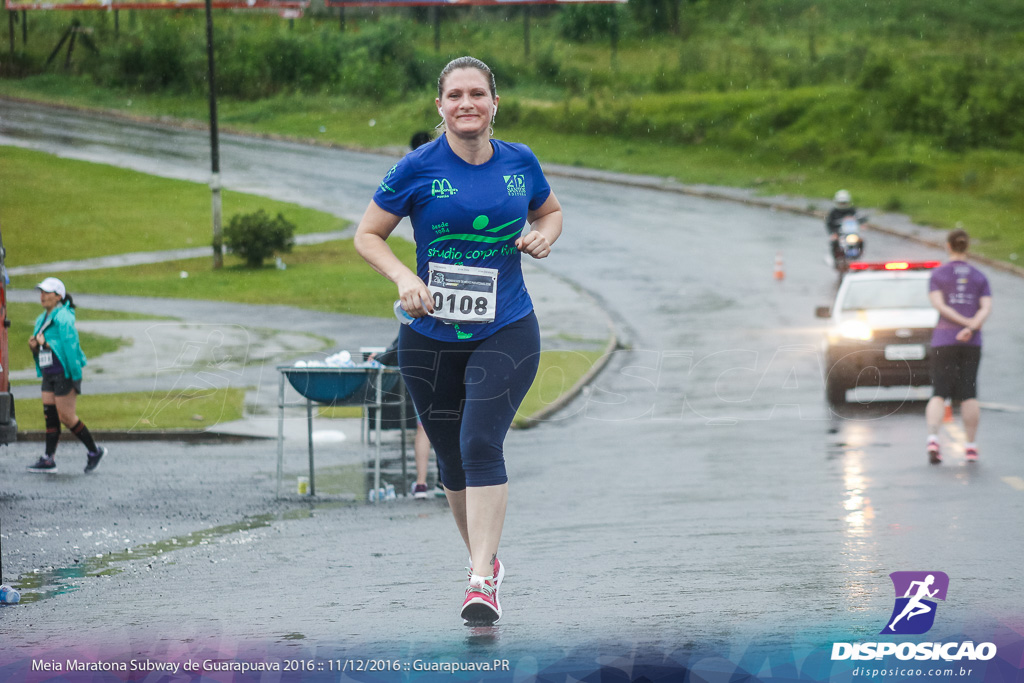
[955, 371]
[59, 385]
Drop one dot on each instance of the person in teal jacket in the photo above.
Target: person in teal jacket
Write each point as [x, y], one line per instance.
[59, 362]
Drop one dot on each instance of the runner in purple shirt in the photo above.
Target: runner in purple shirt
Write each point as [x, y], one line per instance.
[961, 294]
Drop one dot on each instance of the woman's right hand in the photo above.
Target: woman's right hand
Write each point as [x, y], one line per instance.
[415, 297]
[33, 343]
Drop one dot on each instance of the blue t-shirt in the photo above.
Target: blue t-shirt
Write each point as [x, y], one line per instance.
[962, 286]
[470, 216]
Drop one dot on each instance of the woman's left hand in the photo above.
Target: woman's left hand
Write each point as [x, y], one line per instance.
[535, 244]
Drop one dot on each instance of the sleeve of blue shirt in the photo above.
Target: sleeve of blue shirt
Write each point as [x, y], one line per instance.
[396, 191]
[541, 190]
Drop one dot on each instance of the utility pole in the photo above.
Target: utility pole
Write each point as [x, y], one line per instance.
[218, 246]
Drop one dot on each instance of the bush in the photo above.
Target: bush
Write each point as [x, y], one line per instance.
[589, 22]
[255, 236]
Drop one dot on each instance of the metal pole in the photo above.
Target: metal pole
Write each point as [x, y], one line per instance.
[71, 45]
[280, 430]
[117, 25]
[377, 425]
[309, 431]
[405, 473]
[10, 26]
[24, 28]
[218, 246]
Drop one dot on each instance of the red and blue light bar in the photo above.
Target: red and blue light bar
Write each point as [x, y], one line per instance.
[895, 265]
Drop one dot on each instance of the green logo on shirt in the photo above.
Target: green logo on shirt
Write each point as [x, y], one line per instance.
[440, 188]
[384, 183]
[481, 223]
[516, 185]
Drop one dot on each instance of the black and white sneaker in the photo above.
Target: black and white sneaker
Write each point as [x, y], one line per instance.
[94, 459]
[43, 464]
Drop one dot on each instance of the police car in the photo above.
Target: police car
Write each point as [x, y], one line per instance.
[880, 328]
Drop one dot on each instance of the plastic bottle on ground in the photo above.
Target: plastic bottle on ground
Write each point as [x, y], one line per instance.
[9, 595]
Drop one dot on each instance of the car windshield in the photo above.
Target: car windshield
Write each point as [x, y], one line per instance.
[887, 293]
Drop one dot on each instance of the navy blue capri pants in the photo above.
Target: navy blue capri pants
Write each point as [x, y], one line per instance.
[466, 394]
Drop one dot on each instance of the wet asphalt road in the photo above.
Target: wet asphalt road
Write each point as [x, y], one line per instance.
[699, 494]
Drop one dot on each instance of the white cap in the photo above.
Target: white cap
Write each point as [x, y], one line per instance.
[842, 197]
[53, 285]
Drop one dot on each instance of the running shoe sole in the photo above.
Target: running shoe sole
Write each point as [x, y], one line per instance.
[478, 612]
[93, 461]
[42, 470]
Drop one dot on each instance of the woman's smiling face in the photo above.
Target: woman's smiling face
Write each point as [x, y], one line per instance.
[466, 103]
[49, 299]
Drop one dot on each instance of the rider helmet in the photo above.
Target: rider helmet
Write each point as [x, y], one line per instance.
[842, 197]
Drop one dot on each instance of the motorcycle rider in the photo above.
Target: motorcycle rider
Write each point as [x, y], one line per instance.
[844, 207]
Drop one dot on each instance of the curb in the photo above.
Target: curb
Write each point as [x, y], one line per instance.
[577, 388]
[184, 435]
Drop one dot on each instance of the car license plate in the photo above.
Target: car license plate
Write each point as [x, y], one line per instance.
[904, 352]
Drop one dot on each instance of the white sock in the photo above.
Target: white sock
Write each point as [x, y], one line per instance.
[477, 580]
[970, 445]
[933, 437]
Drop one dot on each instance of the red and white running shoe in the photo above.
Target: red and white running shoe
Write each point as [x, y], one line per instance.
[934, 456]
[972, 454]
[481, 606]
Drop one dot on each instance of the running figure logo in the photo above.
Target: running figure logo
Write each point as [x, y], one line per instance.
[914, 612]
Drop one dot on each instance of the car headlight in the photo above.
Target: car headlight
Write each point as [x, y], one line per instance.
[856, 329]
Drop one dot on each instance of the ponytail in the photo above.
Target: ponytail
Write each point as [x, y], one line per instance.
[69, 301]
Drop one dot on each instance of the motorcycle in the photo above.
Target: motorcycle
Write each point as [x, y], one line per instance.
[848, 245]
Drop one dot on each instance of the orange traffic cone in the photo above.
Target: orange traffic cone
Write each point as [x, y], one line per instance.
[948, 417]
[780, 273]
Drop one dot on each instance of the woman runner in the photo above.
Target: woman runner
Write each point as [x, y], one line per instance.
[472, 353]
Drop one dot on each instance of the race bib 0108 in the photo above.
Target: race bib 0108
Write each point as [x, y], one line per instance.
[463, 294]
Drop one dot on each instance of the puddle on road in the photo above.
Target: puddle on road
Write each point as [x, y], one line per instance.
[40, 585]
[350, 482]
[341, 485]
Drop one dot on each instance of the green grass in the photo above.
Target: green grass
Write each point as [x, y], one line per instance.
[328, 277]
[23, 317]
[57, 209]
[990, 211]
[557, 373]
[143, 411]
[982, 190]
